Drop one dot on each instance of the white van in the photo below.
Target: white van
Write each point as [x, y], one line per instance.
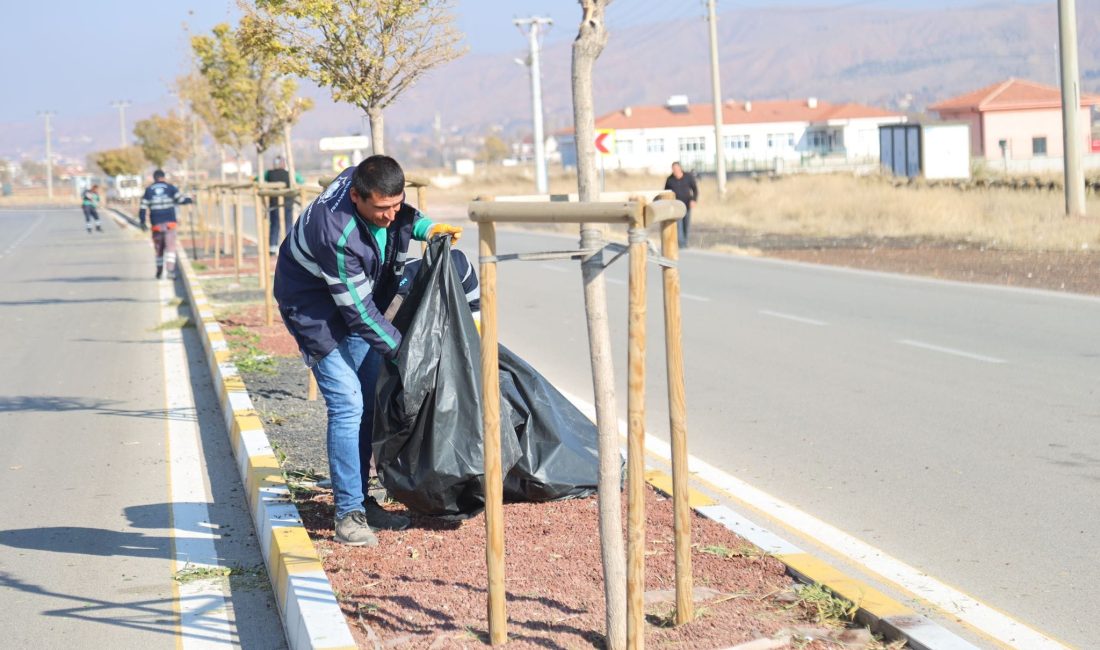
[124, 188]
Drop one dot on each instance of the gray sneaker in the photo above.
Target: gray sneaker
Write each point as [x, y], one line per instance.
[353, 530]
[379, 517]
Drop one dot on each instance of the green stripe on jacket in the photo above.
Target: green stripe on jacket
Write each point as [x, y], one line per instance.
[342, 267]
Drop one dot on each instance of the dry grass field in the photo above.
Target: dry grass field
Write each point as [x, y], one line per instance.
[844, 206]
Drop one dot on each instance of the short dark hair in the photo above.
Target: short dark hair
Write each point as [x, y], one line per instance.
[378, 174]
[158, 174]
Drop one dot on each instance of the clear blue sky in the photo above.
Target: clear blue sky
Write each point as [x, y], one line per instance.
[75, 57]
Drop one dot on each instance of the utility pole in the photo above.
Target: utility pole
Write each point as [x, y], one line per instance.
[437, 130]
[121, 106]
[1071, 109]
[716, 91]
[49, 154]
[532, 25]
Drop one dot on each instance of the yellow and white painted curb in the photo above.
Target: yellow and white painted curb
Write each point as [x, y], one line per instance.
[311, 616]
[885, 615]
[880, 612]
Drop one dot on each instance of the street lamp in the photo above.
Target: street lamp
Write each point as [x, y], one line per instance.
[532, 26]
[121, 105]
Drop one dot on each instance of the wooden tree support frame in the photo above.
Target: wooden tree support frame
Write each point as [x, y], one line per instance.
[637, 214]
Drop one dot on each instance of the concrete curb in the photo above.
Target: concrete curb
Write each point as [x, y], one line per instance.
[311, 616]
[881, 613]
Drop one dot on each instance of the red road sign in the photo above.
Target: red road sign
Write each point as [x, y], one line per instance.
[600, 146]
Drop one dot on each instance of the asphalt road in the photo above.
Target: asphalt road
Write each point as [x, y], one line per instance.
[952, 426]
[90, 535]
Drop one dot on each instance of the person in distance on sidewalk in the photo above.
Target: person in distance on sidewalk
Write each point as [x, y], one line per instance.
[160, 201]
[337, 271]
[89, 201]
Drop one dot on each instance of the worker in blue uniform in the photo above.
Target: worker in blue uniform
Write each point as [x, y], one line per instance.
[338, 270]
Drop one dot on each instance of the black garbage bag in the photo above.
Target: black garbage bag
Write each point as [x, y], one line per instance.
[427, 437]
[427, 423]
[560, 453]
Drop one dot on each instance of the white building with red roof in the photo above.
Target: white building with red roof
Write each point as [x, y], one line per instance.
[1018, 122]
[776, 134]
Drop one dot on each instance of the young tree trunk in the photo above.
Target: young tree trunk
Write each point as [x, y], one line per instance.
[377, 142]
[587, 47]
[288, 154]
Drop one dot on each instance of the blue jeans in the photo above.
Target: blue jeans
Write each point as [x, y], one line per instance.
[273, 222]
[346, 377]
[682, 229]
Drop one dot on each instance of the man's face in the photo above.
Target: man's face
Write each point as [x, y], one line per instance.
[677, 171]
[376, 209]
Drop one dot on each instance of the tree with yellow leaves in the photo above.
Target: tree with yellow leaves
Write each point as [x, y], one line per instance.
[250, 97]
[366, 52]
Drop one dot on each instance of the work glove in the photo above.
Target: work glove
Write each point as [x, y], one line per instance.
[443, 229]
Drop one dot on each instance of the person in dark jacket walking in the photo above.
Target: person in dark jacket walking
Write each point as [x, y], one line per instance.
[685, 188]
[89, 201]
[338, 270]
[160, 201]
[279, 174]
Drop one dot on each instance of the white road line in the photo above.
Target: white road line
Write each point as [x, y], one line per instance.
[15, 244]
[958, 353]
[792, 317]
[204, 610]
[954, 603]
[692, 296]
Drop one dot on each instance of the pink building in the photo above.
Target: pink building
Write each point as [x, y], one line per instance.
[1015, 120]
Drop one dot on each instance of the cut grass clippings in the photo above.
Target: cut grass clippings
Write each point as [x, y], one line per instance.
[174, 324]
[191, 573]
[245, 351]
[829, 609]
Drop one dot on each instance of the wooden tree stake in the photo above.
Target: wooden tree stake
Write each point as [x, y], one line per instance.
[677, 408]
[635, 566]
[490, 421]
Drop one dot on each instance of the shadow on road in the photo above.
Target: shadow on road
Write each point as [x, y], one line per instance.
[67, 301]
[86, 278]
[156, 615]
[81, 540]
[52, 404]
